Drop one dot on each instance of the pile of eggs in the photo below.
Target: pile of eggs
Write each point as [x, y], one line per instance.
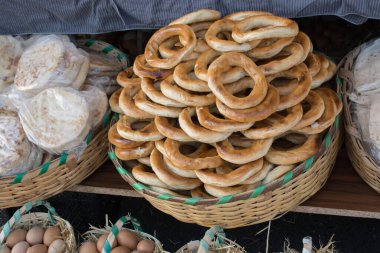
[126, 242]
[35, 240]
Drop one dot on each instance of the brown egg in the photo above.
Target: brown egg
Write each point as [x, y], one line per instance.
[35, 235]
[146, 246]
[128, 239]
[101, 241]
[120, 249]
[88, 247]
[51, 234]
[39, 248]
[57, 246]
[5, 249]
[15, 236]
[20, 247]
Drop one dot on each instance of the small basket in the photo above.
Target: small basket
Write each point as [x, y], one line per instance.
[94, 233]
[362, 162]
[214, 241]
[22, 219]
[58, 175]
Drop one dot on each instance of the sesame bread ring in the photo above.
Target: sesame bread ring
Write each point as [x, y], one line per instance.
[144, 160]
[206, 58]
[151, 50]
[290, 56]
[235, 177]
[277, 172]
[337, 101]
[201, 149]
[229, 153]
[126, 154]
[269, 48]
[127, 78]
[305, 41]
[182, 78]
[276, 124]
[199, 192]
[142, 174]
[143, 103]
[315, 111]
[295, 138]
[128, 105]
[313, 64]
[152, 90]
[169, 178]
[172, 149]
[198, 132]
[238, 16]
[284, 85]
[219, 192]
[327, 118]
[142, 69]
[262, 111]
[114, 101]
[201, 15]
[260, 175]
[126, 130]
[225, 25]
[170, 128]
[219, 124]
[178, 171]
[264, 27]
[162, 190]
[325, 73]
[231, 59]
[170, 89]
[115, 139]
[296, 154]
[170, 47]
[302, 75]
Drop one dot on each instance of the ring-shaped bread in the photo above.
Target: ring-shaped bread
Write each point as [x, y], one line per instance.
[114, 101]
[201, 15]
[142, 69]
[128, 105]
[148, 132]
[315, 111]
[127, 78]
[240, 15]
[126, 154]
[313, 64]
[181, 76]
[142, 174]
[269, 48]
[115, 139]
[168, 128]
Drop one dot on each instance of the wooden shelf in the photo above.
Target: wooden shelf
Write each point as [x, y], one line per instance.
[344, 194]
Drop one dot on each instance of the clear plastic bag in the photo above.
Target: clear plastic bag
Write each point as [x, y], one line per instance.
[98, 103]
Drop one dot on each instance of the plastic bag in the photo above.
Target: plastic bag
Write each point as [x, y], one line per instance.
[10, 52]
[51, 61]
[106, 83]
[98, 103]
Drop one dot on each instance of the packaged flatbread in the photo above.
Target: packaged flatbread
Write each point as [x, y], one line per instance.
[98, 103]
[10, 52]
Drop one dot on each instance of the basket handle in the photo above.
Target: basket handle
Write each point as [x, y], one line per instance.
[116, 229]
[23, 210]
[210, 234]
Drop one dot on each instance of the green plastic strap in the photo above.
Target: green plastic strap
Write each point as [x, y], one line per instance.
[108, 49]
[89, 42]
[121, 56]
[107, 247]
[106, 119]
[337, 121]
[165, 196]
[204, 245]
[192, 201]
[308, 164]
[7, 228]
[138, 187]
[288, 176]
[327, 140]
[338, 80]
[136, 224]
[257, 191]
[18, 178]
[112, 155]
[122, 171]
[62, 159]
[88, 137]
[17, 215]
[44, 168]
[224, 199]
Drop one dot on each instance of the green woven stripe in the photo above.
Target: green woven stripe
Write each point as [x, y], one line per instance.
[112, 155]
[17, 215]
[165, 196]
[115, 230]
[121, 170]
[63, 159]
[288, 176]
[337, 121]
[138, 187]
[327, 140]
[89, 42]
[224, 199]
[106, 119]
[308, 163]
[338, 80]
[136, 224]
[210, 234]
[108, 49]
[107, 247]
[192, 201]
[44, 168]
[204, 245]
[257, 191]
[18, 178]
[88, 137]
[7, 229]
[28, 206]
[121, 56]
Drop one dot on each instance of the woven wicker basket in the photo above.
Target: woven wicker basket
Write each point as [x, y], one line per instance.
[60, 174]
[94, 233]
[22, 219]
[362, 162]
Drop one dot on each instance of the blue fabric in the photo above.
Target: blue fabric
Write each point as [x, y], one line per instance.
[99, 16]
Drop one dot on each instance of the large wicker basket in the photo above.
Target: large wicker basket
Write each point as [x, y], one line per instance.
[261, 204]
[62, 173]
[361, 160]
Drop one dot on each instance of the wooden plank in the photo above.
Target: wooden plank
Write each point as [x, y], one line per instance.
[345, 193]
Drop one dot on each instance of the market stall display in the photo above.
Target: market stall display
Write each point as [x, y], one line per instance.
[118, 239]
[54, 120]
[226, 109]
[359, 86]
[37, 232]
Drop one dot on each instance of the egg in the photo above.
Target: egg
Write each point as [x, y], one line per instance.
[15, 236]
[146, 246]
[51, 234]
[20, 247]
[88, 247]
[57, 246]
[128, 239]
[101, 241]
[120, 249]
[35, 235]
[5, 249]
[39, 248]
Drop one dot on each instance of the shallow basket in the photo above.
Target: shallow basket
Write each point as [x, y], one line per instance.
[94, 233]
[361, 160]
[62, 173]
[25, 220]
